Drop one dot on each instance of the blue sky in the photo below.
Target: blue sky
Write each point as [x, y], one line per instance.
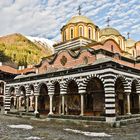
[44, 18]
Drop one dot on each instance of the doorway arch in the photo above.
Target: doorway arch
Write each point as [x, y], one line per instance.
[134, 99]
[120, 97]
[72, 98]
[94, 97]
[56, 98]
[12, 98]
[22, 93]
[43, 99]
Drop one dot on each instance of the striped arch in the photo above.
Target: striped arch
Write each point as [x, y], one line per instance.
[82, 85]
[19, 89]
[52, 86]
[10, 89]
[136, 81]
[93, 76]
[67, 81]
[126, 84]
[40, 84]
[29, 88]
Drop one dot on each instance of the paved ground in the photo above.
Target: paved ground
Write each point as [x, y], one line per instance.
[55, 130]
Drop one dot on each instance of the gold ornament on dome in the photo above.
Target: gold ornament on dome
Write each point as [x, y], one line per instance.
[63, 60]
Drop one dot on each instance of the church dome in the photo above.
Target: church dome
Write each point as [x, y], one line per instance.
[130, 42]
[109, 31]
[79, 18]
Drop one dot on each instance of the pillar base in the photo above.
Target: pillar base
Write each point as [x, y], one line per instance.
[50, 113]
[36, 112]
[5, 112]
[128, 113]
[110, 119]
[37, 115]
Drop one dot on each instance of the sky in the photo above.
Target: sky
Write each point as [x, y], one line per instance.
[44, 18]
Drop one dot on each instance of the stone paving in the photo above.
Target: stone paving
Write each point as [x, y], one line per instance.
[15, 128]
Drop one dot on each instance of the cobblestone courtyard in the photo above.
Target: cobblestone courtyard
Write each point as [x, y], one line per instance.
[62, 130]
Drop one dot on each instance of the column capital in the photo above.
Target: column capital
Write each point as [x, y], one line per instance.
[27, 95]
[36, 94]
[50, 94]
[82, 93]
[127, 93]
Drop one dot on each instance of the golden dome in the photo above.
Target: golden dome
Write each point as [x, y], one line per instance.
[130, 42]
[79, 18]
[109, 31]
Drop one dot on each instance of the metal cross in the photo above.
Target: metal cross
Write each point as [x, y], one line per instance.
[79, 10]
[108, 20]
[128, 35]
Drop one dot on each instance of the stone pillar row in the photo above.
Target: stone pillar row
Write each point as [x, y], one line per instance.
[27, 103]
[63, 103]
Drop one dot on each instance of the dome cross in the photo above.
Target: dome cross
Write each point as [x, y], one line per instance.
[128, 35]
[79, 10]
[108, 21]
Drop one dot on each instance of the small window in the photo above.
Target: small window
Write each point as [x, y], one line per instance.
[64, 35]
[85, 60]
[63, 60]
[90, 33]
[81, 31]
[112, 48]
[71, 33]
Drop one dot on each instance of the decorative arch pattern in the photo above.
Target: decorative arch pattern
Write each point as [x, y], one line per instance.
[29, 88]
[82, 86]
[40, 84]
[137, 85]
[65, 84]
[20, 87]
[126, 84]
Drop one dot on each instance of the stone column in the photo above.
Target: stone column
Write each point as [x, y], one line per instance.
[36, 104]
[14, 102]
[27, 103]
[63, 104]
[128, 104]
[82, 104]
[31, 102]
[17, 104]
[51, 104]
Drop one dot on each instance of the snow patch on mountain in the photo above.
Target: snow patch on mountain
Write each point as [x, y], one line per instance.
[42, 41]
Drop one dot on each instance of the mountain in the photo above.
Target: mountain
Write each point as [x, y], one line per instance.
[17, 49]
[42, 42]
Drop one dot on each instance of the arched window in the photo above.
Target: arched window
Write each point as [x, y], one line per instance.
[81, 31]
[112, 48]
[89, 32]
[71, 33]
[64, 36]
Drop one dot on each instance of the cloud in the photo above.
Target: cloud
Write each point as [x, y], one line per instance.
[44, 18]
